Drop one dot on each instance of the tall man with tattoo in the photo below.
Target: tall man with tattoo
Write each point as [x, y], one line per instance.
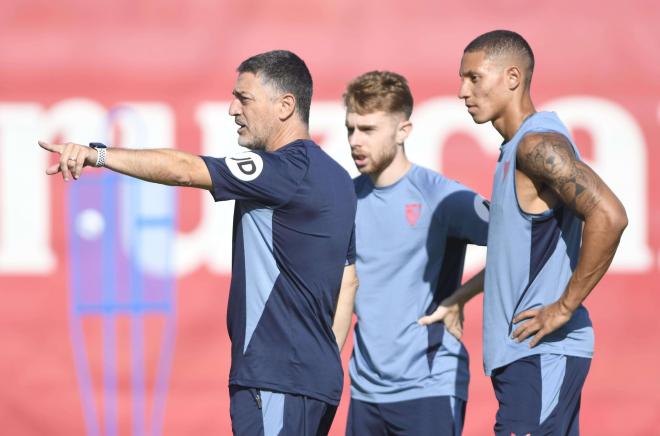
[554, 229]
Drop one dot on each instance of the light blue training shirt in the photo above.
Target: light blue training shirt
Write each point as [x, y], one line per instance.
[530, 259]
[410, 240]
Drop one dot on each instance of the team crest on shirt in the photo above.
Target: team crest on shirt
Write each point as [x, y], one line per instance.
[413, 212]
[245, 166]
[507, 164]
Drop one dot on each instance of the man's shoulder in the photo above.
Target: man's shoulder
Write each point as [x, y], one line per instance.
[297, 152]
[306, 156]
[544, 119]
[430, 182]
[321, 159]
[536, 145]
[533, 137]
[425, 175]
[438, 189]
[544, 126]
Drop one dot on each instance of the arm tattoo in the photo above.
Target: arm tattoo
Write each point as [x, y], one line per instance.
[548, 158]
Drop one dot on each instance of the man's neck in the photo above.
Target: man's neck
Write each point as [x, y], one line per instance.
[508, 124]
[394, 171]
[286, 135]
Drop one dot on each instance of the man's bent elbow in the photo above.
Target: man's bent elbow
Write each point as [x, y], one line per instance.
[617, 219]
[621, 221]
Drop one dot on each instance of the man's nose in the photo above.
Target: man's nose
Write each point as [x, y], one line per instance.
[463, 90]
[354, 140]
[234, 107]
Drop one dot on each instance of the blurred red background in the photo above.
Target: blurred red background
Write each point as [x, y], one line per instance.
[65, 65]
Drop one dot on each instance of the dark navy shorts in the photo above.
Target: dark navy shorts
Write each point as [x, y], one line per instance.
[256, 412]
[424, 416]
[540, 395]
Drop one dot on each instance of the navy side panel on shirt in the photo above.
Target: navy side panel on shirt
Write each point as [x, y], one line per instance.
[293, 235]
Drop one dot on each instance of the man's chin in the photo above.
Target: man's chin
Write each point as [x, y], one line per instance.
[479, 120]
[364, 169]
[250, 145]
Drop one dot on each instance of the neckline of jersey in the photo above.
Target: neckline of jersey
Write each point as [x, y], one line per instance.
[520, 129]
[294, 143]
[391, 186]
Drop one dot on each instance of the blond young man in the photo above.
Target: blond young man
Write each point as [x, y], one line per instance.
[408, 375]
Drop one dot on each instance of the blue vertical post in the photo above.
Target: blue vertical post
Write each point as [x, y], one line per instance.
[120, 243]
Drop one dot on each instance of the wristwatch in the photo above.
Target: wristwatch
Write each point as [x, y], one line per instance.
[101, 149]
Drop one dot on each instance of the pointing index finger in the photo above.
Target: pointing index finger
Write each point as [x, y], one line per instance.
[51, 147]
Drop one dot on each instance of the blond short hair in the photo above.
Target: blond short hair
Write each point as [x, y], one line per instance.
[379, 91]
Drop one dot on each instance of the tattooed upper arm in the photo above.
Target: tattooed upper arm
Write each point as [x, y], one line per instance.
[549, 159]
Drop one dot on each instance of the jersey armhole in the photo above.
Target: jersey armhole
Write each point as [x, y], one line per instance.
[550, 212]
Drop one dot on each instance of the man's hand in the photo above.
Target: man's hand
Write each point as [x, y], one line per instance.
[450, 311]
[540, 322]
[451, 315]
[73, 157]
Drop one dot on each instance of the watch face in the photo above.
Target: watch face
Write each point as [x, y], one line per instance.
[97, 145]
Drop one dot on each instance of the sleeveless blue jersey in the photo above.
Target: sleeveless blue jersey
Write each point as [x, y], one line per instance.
[411, 238]
[293, 234]
[530, 260]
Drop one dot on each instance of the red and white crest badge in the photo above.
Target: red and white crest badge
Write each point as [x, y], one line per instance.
[413, 212]
[507, 164]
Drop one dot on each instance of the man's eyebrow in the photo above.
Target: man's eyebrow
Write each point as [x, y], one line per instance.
[239, 94]
[362, 126]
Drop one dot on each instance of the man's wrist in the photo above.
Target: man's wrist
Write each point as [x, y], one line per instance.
[566, 306]
[453, 300]
[100, 153]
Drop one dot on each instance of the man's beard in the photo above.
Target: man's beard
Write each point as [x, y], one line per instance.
[259, 146]
[383, 163]
[254, 144]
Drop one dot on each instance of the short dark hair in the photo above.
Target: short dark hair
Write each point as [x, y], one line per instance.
[287, 72]
[499, 42]
[379, 91]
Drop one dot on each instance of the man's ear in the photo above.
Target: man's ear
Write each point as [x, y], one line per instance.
[286, 106]
[514, 77]
[402, 131]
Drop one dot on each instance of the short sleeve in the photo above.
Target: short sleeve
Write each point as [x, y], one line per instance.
[268, 178]
[467, 215]
[350, 254]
